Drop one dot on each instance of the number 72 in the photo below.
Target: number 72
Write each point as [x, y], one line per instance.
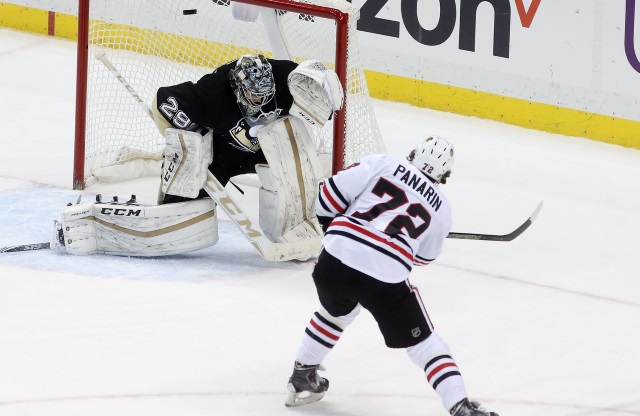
[404, 218]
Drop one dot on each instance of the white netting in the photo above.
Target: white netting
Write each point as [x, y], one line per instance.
[154, 43]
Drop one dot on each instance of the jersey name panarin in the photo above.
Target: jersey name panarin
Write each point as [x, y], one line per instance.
[388, 217]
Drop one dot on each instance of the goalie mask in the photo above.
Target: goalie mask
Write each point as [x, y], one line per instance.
[433, 156]
[252, 82]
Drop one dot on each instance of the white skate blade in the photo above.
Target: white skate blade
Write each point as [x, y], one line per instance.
[300, 399]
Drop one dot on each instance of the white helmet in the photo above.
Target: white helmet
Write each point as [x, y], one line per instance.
[433, 156]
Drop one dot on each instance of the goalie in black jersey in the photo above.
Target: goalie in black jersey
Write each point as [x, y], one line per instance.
[233, 103]
[250, 115]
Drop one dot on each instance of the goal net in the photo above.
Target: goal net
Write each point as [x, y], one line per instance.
[154, 43]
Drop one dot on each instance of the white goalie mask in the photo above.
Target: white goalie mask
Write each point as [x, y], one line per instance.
[252, 82]
[433, 156]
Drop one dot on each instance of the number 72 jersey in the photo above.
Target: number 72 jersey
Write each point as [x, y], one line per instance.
[387, 217]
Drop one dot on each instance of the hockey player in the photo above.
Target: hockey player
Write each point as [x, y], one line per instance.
[249, 115]
[380, 218]
[238, 96]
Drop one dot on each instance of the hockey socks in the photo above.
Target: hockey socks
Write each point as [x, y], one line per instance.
[321, 334]
[434, 357]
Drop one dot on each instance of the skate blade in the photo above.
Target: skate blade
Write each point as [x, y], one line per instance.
[300, 399]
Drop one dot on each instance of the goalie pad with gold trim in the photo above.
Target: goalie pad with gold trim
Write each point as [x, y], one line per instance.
[289, 183]
[187, 156]
[136, 230]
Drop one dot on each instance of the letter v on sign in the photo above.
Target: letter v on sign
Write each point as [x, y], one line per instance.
[526, 16]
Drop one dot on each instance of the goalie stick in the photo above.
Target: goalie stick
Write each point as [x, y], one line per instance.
[102, 57]
[280, 251]
[301, 249]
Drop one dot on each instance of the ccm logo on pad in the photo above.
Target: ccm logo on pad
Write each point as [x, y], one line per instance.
[124, 212]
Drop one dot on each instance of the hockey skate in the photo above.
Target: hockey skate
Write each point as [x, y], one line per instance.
[305, 385]
[468, 408]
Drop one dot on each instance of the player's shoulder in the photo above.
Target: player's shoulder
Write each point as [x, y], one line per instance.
[282, 66]
[380, 158]
[383, 162]
[225, 68]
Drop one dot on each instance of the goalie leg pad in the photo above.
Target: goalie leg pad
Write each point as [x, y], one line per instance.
[278, 211]
[187, 157]
[281, 221]
[289, 183]
[133, 230]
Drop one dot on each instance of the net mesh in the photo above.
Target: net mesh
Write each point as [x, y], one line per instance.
[154, 43]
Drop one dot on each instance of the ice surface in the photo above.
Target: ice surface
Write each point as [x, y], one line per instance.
[548, 324]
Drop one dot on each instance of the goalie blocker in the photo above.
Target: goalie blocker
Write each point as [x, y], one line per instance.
[187, 156]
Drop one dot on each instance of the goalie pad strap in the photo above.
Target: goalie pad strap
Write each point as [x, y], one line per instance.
[132, 230]
[187, 157]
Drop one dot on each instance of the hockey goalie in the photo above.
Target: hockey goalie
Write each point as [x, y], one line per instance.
[251, 115]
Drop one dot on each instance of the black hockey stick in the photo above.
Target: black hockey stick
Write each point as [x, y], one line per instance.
[25, 247]
[504, 237]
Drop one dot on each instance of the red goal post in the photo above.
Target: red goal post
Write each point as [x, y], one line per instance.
[153, 43]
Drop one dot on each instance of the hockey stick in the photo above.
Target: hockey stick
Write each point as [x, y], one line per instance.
[287, 251]
[504, 237]
[102, 57]
[280, 252]
[301, 249]
[25, 247]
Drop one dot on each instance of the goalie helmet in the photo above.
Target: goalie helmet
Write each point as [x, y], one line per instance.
[252, 82]
[433, 156]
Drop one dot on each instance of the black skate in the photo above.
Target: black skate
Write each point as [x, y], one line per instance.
[467, 408]
[305, 385]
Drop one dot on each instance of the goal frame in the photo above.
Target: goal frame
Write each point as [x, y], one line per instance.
[340, 18]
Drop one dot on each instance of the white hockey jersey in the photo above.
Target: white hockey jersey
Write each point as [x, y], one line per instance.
[387, 216]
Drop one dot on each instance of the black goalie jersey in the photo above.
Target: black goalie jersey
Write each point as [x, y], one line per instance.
[211, 103]
[387, 216]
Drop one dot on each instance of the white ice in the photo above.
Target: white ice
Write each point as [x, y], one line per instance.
[548, 324]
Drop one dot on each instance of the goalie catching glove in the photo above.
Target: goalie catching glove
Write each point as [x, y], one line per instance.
[317, 92]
